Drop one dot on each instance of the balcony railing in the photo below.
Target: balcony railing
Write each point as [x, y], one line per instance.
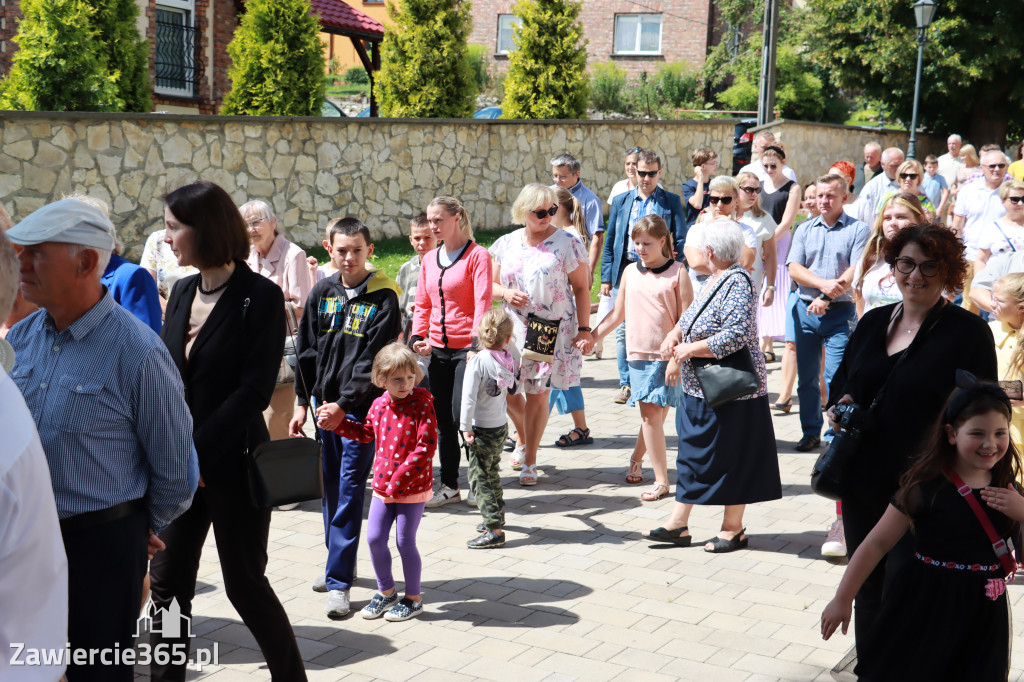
[178, 62]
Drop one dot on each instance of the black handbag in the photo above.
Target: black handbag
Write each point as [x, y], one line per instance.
[727, 378]
[289, 470]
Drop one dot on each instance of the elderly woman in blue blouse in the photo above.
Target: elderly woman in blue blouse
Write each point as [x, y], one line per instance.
[727, 454]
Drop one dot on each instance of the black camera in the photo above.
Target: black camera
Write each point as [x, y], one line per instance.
[851, 416]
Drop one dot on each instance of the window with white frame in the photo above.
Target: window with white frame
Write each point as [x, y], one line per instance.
[637, 34]
[176, 48]
[505, 24]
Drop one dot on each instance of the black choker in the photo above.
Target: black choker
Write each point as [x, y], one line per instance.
[204, 292]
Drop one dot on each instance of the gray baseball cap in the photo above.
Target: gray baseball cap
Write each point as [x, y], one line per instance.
[69, 221]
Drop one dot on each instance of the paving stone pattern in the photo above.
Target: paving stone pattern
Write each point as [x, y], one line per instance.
[574, 594]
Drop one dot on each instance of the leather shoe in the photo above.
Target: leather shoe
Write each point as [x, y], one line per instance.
[808, 443]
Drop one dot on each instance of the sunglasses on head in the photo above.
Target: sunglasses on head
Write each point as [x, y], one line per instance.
[634, 150]
[908, 176]
[647, 174]
[725, 200]
[1016, 200]
[996, 166]
[545, 212]
[751, 190]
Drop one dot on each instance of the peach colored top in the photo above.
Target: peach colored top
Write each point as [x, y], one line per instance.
[285, 266]
[652, 308]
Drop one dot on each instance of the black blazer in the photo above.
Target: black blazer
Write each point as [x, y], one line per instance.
[231, 372]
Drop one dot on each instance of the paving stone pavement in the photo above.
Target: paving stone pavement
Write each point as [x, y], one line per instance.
[574, 594]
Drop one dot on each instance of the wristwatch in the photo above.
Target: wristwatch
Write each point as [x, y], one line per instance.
[770, 287]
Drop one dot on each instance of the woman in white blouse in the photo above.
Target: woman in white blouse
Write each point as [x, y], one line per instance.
[873, 281]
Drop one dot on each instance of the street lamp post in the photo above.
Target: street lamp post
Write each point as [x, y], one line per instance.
[924, 12]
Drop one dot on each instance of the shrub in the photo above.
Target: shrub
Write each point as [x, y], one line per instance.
[277, 61]
[476, 60]
[607, 81]
[357, 75]
[547, 75]
[677, 84]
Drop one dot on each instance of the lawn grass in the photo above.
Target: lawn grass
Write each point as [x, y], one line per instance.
[347, 89]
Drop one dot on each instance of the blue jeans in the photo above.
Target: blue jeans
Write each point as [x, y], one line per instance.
[620, 348]
[831, 330]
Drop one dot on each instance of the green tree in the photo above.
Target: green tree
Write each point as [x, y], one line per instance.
[277, 61]
[799, 93]
[972, 81]
[547, 70]
[426, 71]
[59, 64]
[125, 52]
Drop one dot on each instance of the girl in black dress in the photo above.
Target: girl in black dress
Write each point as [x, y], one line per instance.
[946, 615]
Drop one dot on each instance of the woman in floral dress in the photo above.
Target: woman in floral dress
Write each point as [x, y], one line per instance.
[542, 270]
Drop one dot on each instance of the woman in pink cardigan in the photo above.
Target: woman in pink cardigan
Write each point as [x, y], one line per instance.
[452, 295]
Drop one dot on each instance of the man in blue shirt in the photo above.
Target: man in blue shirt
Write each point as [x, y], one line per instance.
[565, 171]
[110, 409]
[627, 208]
[821, 262]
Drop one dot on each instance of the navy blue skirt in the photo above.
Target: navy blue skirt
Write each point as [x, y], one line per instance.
[726, 455]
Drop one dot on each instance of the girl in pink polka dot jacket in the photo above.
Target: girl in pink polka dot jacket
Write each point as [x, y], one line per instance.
[403, 423]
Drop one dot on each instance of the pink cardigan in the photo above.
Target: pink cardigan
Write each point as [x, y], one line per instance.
[467, 296]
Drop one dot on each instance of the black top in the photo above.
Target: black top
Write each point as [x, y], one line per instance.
[916, 393]
[775, 203]
[689, 189]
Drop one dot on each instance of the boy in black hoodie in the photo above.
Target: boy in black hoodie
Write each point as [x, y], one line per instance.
[348, 317]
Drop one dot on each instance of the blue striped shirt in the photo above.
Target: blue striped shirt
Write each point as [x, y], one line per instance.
[109, 406]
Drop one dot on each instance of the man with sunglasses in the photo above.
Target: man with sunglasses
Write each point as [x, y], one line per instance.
[645, 199]
[978, 204]
[866, 207]
[821, 261]
[565, 171]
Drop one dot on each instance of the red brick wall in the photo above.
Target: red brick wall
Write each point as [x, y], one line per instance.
[10, 15]
[684, 30]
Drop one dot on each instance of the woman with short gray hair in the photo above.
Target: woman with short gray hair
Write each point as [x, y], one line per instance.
[727, 454]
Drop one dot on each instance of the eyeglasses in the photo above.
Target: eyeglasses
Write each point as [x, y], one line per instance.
[771, 166]
[545, 212]
[929, 268]
[556, 177]
[908, 176]
[254, 222]
[996, 166]
[751, 190]
[648, 174]
[725, 200]
[1016, 200]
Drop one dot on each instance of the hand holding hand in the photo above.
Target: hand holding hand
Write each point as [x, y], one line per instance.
[681, 352]
[1006, 500]
[584, 341]
[329, 416]
[835, 613]
[468, 436]
[606, 288]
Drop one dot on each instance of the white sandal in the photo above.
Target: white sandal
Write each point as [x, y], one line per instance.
[528, 475]
[517, 457]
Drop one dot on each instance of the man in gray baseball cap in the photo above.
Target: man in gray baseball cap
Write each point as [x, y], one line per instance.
[109, 406]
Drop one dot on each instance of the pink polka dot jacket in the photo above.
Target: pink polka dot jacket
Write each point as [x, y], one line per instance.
[406, 435]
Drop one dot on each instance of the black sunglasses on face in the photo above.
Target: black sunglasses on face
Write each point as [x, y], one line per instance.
[647, 174]
[751, 190]
[771, 166]
[996, 166]
[1016, 200]
[908, 176]
[929, 268]
[725, 200]
[545, 212]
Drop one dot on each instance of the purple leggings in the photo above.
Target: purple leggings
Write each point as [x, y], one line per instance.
[378, 530]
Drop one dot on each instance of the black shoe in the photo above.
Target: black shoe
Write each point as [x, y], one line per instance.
[808, 443]
[487, 540]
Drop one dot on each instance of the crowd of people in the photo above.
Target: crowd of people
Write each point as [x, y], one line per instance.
[145, 387]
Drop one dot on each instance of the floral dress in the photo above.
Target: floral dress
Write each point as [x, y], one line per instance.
[542, 272]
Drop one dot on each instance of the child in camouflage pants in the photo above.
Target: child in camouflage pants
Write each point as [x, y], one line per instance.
[490, 376]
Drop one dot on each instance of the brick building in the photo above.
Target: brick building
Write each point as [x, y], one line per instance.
[638, 35]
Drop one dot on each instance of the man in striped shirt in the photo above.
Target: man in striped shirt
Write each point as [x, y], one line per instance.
[109, 406]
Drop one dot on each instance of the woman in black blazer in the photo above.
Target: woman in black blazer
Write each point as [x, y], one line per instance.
[225, 331]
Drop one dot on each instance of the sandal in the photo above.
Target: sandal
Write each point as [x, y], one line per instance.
[510, 443]
[721, 545]
[636, 471]
[518, 455]
[784, 407]
[655, 493]
[769, 355]
[566, 440]
[528, 475]
[673, 536]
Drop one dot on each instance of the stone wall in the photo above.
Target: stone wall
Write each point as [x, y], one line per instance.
[310, 170]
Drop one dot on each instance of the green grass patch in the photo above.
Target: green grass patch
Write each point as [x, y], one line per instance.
[347, 90]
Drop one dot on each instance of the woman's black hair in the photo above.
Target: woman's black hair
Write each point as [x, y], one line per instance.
[220, 234]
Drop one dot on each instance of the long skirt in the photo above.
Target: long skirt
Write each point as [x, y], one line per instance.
[771, 321]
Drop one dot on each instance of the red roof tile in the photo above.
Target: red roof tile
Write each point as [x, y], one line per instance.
[339, 15]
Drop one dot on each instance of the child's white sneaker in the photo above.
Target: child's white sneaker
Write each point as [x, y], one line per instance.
[378, 605]
[443, 496]
[404, 610]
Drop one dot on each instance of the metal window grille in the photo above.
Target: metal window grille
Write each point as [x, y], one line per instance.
[178, 62]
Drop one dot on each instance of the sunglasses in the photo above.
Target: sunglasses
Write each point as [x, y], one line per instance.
[648, 174]
[545, 212]
[908, 176]
[725, 200]
[634, 150]
[771, 166]
[751, 190]
[1016, 200]
[929, 268]
[996, 166]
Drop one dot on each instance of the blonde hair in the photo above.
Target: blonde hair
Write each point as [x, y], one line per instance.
[1013, 286]
[742, 177]
[529, 198]
[392, 358]
[721, 183]
[495, 329]
[772, 154]
[971, 153]
[876, 242]
[571, 205]
[915, 166]
[654, 225]
[1009, 186]
[452, 206]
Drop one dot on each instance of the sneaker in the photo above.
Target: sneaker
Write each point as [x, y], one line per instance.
[337, 604]
[482, 526]
[487, 540]
[808, 443]
[623, 395]
[835, 543]
[443, 496]
[320, 584]
[404, 610]
[288, 507]
[471, 499]
[378, 605]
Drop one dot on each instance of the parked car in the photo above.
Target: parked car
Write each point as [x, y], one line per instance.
[365, 113]
[330, 110]
[488, 112]
[742, 142]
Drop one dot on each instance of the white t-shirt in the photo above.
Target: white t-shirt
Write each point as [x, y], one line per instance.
[33, 566]
[1000, 237]
[980, 206]
[620, 187]
[763, 229]
[695, 239]
[879, 286]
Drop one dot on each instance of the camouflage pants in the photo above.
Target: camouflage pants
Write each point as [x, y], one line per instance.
[484, 478]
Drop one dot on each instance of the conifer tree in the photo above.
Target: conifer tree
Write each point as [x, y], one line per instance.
[277, 61]
[425, 68]
[126, 53]
[547, 70]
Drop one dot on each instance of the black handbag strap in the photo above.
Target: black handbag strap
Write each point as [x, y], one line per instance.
[708, 300]
[930, 321]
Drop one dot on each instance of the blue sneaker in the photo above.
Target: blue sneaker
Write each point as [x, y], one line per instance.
[404, 610]
[378, 605]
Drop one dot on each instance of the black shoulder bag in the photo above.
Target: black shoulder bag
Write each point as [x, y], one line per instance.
[728, 378]
[288, 470]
